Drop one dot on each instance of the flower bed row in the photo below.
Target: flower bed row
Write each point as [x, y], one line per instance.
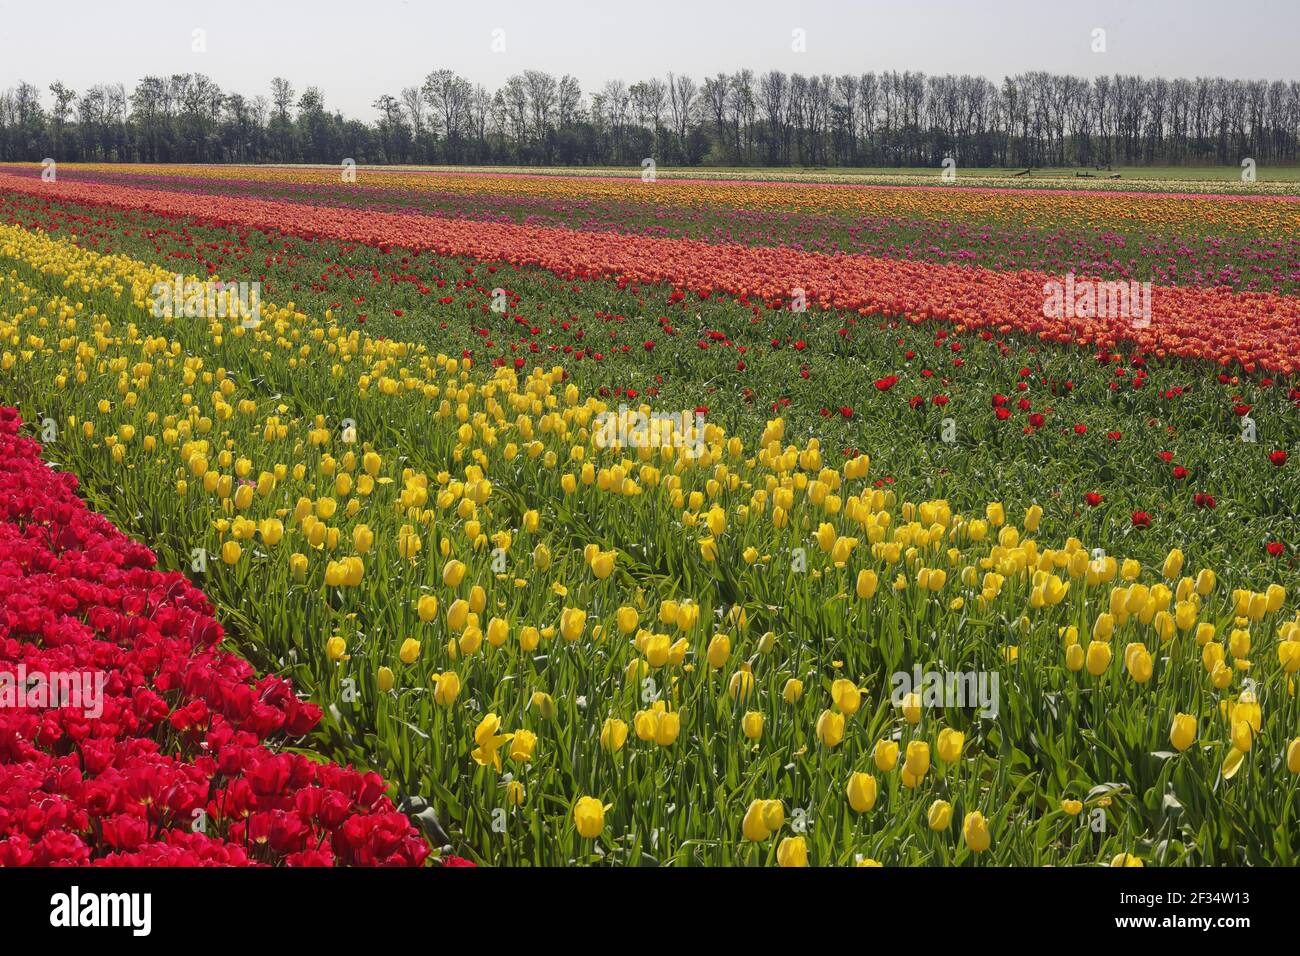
[1255, 209]
[1240, 262]
[1255, 329]
[127, 737]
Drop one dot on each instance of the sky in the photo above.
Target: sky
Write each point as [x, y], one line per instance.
[356, 50]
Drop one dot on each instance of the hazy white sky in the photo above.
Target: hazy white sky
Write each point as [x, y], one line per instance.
[354, 50]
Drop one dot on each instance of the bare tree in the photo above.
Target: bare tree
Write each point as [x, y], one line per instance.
[448, 96]
[682, 93]
[772, 91]
[716, 92]
[543, 97]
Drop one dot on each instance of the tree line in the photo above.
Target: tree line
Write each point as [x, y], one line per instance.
[740, 119]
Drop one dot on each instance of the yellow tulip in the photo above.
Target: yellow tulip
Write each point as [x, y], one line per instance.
[1032, 518]
[489, 741]
[522, 745]
[498, 631]
[866, 584]
[602, 566]
[917, 760]
[453, 573]
[458, 615]
[335, 574]
[1183, 732]
[975, 831]
[572, 622]
[912, 707]
[529, 638]
[939, 816]
[741, 684]
[408, 542]
[667, 728]
[792, 852]
[762, 819]
[1138, 662]
[272, 531]
[1241, 736]
[613, 734]
[1099, 655]
[830, 728]
[773, 814]
[847, 696]
[447, 689]
[589, 817]
[862, 791]
[752, 826]
[886, 755]
[353, 570]
[1173, 564]
[950, 744]
[477, 599]
[1205, 581]
[719, 650]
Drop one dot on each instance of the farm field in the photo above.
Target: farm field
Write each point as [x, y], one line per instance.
[1049, 177]
[727, 518]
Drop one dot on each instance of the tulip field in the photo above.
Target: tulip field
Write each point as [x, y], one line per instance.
[537, 519]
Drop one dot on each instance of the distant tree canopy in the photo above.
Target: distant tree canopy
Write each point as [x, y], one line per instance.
[741, 119]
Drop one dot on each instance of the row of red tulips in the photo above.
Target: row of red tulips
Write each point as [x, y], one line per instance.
[127, 736]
